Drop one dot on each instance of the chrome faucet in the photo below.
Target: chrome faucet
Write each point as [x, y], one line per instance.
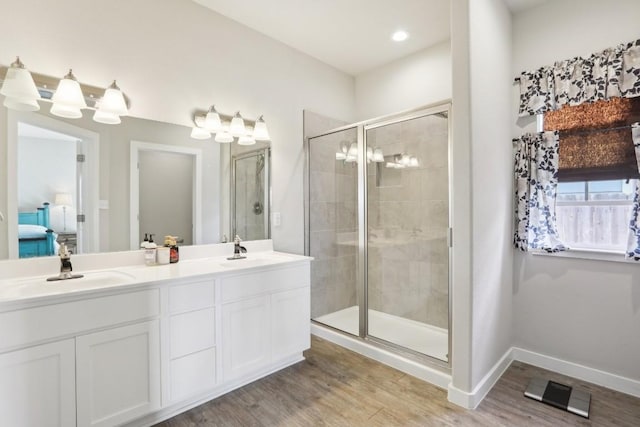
[237, 249]
[65, 265]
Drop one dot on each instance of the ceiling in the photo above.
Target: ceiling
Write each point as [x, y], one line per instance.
[351, 35]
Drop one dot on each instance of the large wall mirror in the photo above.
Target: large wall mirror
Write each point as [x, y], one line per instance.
[100, 188]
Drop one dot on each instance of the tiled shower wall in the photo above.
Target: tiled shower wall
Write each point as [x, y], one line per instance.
[408, 220]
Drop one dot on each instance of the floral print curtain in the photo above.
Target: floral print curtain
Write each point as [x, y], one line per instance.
[536, 181]
[614, 72]
[633, 243]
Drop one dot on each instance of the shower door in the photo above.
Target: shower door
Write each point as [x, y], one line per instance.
[407, 246]
[377, 203]
[332, 229]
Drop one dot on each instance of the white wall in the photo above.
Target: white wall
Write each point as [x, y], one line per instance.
[413, 81]
[174, 58]
[587, 312]
[482, 175]
[492, 176]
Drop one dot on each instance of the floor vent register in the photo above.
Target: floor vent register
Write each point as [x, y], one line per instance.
[560, 396]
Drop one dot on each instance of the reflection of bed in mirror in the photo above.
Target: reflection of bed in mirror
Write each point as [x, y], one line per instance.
[35, 236]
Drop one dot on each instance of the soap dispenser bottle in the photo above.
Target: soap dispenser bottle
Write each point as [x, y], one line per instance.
[150, 251]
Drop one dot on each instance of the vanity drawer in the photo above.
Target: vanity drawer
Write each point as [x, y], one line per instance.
[192, 374]
[21, 327]
[191, 332]
[247, 285]
[192, 296]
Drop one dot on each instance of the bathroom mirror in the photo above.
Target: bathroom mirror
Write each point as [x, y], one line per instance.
[72, 163]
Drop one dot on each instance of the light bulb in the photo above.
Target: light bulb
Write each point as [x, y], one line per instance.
[212, 120]
[113, 101]
[69, 93]
[236, 128]
[246, 140]
[260, 131]
[19, 88]
[199, 133]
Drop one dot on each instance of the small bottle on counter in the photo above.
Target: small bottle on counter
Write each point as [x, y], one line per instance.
[172, 244]
[150, 249]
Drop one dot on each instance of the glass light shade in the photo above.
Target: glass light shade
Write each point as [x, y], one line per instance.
[105, 117]
[212, 120]
[199, 133]
[378, 157]
[391, 165]
[66, 111]
[69, 93]
[405, 160]
[113, 101]
[353, 150]
[246, 140]
[341, 156]
[260, 131]
[351, 159]
[236, 128]
[22, 104]
[18, 83]
[369, 153]
[413, 162]
[224, 137]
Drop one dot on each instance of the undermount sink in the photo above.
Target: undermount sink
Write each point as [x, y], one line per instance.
[90, 279]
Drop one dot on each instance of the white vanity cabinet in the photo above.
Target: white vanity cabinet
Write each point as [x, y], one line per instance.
[88, 362]
[265, 320]
[118, 374]
[37, 386]
[192, 351]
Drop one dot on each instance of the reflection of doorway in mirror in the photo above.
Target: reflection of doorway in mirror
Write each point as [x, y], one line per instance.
[165, 193]
[51, 158]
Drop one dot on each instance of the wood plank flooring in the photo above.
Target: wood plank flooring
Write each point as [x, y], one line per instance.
[336, 387]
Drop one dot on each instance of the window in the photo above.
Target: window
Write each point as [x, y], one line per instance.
[594, 214]
[597, 172]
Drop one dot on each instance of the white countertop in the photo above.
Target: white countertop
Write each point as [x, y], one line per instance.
[200, 261]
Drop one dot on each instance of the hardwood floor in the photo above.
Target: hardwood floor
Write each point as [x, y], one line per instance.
[336, 387]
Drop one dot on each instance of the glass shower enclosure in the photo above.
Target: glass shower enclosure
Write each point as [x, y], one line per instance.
[377, 225]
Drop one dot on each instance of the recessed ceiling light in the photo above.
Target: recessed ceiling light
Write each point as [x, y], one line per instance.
[400, 36]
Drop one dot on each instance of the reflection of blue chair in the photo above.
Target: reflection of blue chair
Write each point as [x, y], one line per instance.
[35, 236]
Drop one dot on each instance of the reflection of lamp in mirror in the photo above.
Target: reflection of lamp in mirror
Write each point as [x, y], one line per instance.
[68, 98]
[224, 136]
[19, 88]
[377, 157]
[260, 131]
[247, 139]
[64, 200]
[200, 133]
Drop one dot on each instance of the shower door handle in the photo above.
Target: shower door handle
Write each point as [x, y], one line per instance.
[450, 237]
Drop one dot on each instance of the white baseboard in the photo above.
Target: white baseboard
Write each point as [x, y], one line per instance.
[574, 370]
[473, 399]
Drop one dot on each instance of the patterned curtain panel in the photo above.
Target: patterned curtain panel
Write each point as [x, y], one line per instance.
[536, 181]
[633, 244]
[614, 72]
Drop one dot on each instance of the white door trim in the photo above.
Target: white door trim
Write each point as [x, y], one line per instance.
[134, 202]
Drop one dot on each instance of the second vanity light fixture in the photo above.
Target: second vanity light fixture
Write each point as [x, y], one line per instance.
[22, 93]
[228, 128]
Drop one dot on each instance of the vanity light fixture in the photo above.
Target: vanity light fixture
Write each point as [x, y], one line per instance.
[223, 136]
[226, 132]
[105, 117]
[68, 98]
[260, 131]
[212, 121]
[19, 89]
[113, 101]
[236, 128]
[200, 133]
